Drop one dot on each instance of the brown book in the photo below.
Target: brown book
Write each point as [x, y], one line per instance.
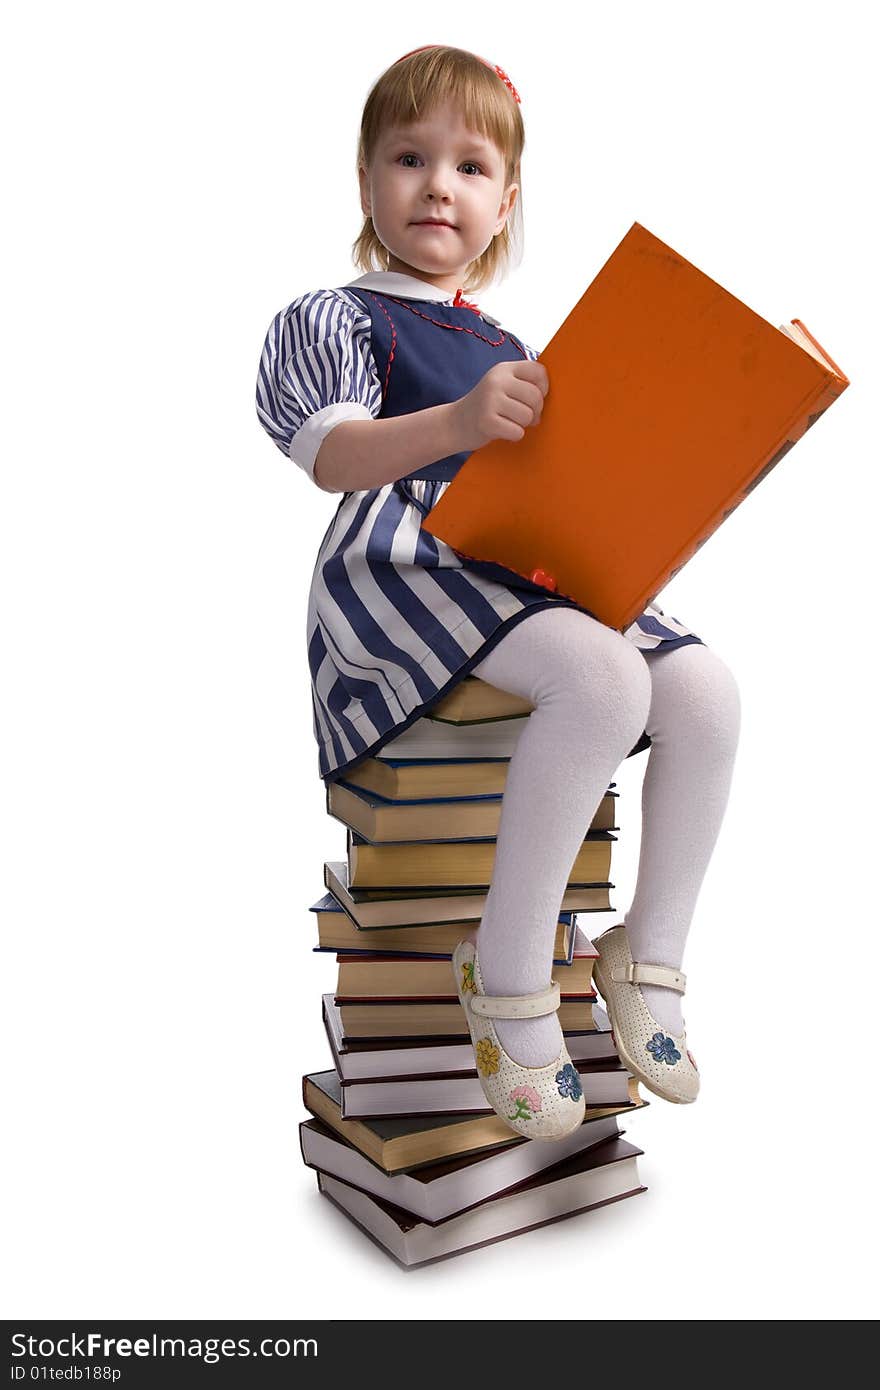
[401, 779]
[462, 864]
[380, 821]
[604, 1173]
[371, 908]
[399, 1146]
[440, 1017]
[487, 739]
[669, 402]
[372, 1060]
[363, 977]
[473, 701]
[430, 778]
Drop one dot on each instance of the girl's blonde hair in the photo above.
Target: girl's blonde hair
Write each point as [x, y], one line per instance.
[410, 90]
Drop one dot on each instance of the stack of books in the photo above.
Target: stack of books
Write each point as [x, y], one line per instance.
[401, 1136]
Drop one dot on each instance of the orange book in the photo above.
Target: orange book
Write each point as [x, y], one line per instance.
[669, 401]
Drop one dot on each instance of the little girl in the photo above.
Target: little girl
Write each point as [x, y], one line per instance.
[379, 390]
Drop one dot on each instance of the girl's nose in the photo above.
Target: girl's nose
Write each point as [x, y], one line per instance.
[437, 185]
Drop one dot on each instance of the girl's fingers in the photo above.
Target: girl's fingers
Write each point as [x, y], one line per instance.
[528, 392]
[517, 412]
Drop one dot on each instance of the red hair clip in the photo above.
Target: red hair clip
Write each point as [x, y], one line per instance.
[506, 80]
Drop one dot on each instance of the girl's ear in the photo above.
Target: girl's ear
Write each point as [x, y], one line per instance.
[506, 207]
[364, 182]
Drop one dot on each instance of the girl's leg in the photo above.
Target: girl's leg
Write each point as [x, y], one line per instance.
[694, 722]
[591, 689]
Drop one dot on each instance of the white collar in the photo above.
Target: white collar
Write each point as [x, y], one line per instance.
[407, 287]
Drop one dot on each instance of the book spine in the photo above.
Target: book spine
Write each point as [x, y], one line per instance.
[828, 392]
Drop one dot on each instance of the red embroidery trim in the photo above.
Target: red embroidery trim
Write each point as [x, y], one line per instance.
[393, 345]
[459, 303]
[456, 328]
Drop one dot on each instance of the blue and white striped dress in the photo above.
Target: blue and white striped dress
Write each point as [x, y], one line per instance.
[395, 618]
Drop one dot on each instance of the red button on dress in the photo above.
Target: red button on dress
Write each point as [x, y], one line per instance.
[542, 577]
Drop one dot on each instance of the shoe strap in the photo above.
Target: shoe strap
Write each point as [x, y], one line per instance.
[546, 1001]
[641, 973]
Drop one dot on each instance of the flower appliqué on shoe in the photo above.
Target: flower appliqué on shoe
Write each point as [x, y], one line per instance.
[488, 1057]
[663, 1049]
[568, 1082]
[527, 1103]
[467, 976]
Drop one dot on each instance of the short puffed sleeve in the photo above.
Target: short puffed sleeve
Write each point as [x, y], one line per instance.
[316, 370]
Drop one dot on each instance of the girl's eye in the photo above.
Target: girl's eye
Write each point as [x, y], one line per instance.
[468, 164]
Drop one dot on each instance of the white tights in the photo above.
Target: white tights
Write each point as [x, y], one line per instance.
[594, 694]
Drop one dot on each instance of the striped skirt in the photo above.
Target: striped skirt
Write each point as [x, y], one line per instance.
[396, 619]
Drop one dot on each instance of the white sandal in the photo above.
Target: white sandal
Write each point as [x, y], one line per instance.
[659, 1059]
[540, 1102]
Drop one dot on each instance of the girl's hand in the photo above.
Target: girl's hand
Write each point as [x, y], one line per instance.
[503, 404]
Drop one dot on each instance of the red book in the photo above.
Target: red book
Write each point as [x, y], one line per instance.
[669, 401]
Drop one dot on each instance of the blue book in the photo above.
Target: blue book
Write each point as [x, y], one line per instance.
[340, 934]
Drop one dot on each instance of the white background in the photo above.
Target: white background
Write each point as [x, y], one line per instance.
[177, 174]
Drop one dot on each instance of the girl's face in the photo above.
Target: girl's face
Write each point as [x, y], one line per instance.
[436, 169]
